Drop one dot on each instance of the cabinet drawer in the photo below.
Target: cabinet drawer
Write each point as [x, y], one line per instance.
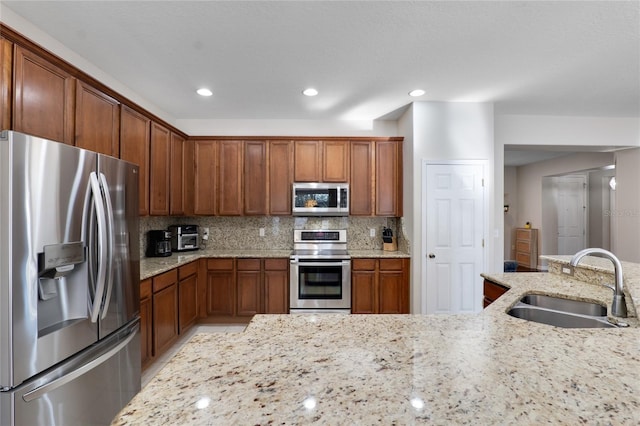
[363, 264]
[523, 245]
[391, 264]
[145, 289]
[276, 264]
[523, 234]
[187, 270]
[165, 280]
[220, 264]
[248, 264]
[523, 258]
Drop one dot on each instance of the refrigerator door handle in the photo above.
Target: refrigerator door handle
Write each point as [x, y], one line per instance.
[102, 247]
[110, 242]
[61, 381]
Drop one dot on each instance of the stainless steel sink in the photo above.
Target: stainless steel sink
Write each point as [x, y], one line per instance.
[560, 312]
[565, 305]
[559, 319]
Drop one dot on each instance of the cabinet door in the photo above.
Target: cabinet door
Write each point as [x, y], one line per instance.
[188, 302]
[248, 293]
[388, 181]
[392, 293]
[220, 293]
[255, 178]
[307, 156]
[276, 286]
[177, 175]
[97, 120]
[205, 160]
[230, 178]
[361, 179]
[363, 292]
[160, 170]
[189, 177]
[134, 147]
[6, 67]
[280, 177]
[146, 323]
[335, 161]
[44, 98]
[165, 318]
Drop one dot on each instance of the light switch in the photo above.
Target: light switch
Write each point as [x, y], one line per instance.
[262, 232]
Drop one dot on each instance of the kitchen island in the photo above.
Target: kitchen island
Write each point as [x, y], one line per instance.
[407, 369]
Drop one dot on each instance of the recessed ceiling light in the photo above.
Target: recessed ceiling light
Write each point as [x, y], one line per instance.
[310, 92]
[204, 92]
[417, 92]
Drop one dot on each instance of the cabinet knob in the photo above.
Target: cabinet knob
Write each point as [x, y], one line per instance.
[432, 256]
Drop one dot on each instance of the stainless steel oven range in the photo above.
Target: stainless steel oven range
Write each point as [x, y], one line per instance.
[320, 272]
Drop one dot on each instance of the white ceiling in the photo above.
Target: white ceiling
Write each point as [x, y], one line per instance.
[552, 58]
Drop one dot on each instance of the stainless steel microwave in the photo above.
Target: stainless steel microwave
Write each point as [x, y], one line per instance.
[320, 199]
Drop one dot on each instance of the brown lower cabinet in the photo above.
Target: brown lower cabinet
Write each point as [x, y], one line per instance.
[380, 286]
[245, 287]
[165, 311]
[187, 296]
[492, 291]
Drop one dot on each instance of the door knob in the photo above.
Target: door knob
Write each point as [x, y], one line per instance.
[432, 256]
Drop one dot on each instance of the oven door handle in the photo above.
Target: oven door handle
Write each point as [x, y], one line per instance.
[330, 263]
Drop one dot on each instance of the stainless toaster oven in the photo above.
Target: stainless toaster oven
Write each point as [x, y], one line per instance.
[184, 237]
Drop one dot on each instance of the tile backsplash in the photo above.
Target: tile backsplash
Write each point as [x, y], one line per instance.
[238, 233]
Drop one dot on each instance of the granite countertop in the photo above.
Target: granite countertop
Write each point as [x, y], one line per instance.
[150, 266]
[488, 368]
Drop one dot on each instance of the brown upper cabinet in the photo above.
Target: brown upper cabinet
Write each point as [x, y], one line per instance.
[255, 178]
[335, 161]
[6, 67]
[97, 120]
[177, 175]
[361, 183]
[321, 161]
[388, 182]
[204, 182]
[280, 172]
[376, 178]
[134, 147]
[43, 103]
[230, 159]
[160, 170]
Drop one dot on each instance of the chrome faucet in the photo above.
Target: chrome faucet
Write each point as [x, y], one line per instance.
[618, 306]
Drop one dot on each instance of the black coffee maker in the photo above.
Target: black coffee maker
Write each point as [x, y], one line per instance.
[159, 243]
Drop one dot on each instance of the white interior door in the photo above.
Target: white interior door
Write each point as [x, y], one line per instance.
[571, 202]
[454, 237]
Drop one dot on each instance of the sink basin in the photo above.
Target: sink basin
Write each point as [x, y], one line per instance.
[565, 305]
[559, 312]
[559, 319]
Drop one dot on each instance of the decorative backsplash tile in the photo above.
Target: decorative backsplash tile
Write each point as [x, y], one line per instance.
[238, 233]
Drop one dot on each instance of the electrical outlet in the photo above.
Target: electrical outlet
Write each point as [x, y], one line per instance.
[205, 233]
[262, 232]
[372, 232]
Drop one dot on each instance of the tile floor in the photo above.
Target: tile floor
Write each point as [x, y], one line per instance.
[152, 370]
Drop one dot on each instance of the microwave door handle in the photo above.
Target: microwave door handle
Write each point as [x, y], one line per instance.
[102, 248]
[110, 242]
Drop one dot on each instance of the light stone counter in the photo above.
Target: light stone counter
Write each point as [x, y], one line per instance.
[151, 266]
[405, 369]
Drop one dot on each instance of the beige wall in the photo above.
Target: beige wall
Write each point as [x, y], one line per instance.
[530, 193]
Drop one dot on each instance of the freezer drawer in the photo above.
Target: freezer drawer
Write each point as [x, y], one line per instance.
[88, 389]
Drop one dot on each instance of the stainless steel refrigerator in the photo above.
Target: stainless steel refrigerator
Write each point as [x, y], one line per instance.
[69, 283]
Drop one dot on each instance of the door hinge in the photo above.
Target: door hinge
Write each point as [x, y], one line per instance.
[483, 243]
[483, 182]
